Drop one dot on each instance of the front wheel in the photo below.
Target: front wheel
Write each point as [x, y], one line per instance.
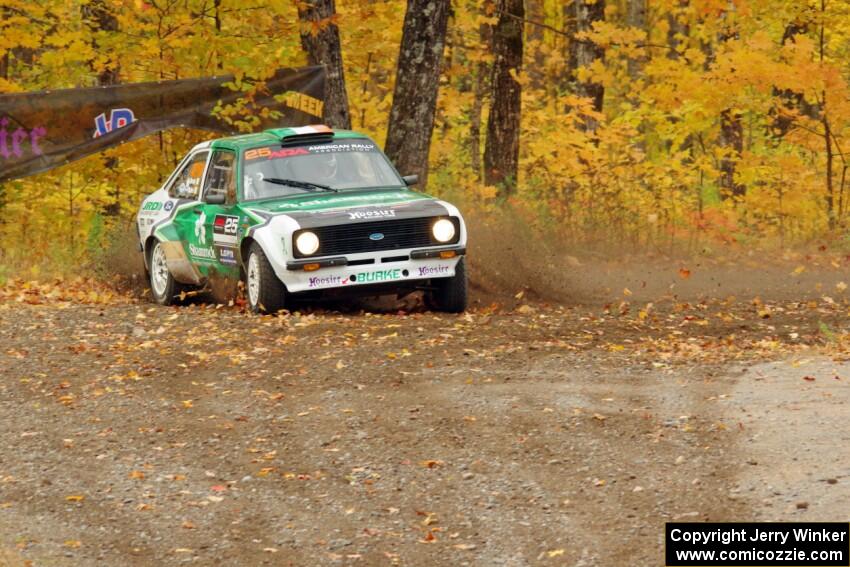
[450, 294]
[266, 293]
[164, 287]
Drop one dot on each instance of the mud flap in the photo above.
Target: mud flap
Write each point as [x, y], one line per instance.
[179, 265]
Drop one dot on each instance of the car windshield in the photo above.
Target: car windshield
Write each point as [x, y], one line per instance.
[340, 165]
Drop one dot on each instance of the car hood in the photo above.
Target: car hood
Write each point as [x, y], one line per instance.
[349, 206]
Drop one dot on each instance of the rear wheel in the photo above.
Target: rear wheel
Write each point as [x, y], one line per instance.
[266, 293]
[450, 294]
[164, 287]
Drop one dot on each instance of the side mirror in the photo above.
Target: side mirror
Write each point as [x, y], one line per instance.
[410, 179]
[215, 199]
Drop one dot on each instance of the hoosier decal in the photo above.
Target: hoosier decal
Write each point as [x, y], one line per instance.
[375, 214]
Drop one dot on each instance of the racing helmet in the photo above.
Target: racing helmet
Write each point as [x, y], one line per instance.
[326, 165]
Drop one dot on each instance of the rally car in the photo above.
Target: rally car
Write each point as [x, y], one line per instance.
[306, 213]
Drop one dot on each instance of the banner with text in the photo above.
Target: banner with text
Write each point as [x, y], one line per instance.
[45, 129]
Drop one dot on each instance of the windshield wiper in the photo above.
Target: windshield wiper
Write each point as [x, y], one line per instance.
[300, 184]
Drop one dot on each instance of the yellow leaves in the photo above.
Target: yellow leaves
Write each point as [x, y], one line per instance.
[72, 543]
[58, 291]
[555, 553]
[75, 498]
[187, 404]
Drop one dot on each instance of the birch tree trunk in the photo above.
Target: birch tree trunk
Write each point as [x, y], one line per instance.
[636, 18]
[587, 13]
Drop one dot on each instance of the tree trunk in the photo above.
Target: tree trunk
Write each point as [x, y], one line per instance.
[587, 13]
[567, 83]
[731, 134]
[320, 39]
[830, 186]
[788, 99]
[501, 154]
[731, 138]
[677, 29]
[636, 18]
[417, 80]
[100, 19]
[534, 42]
[482, 83]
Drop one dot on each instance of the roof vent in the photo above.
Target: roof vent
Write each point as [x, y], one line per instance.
[319, 134]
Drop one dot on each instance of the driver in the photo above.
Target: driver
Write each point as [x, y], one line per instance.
[326, 168]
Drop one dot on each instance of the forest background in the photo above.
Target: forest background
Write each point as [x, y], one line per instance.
[634, 125]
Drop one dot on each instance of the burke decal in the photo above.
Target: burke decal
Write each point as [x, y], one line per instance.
[377, 276]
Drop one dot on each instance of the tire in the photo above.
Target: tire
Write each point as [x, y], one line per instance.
[264, 291]
[450, 294]
[164, 288]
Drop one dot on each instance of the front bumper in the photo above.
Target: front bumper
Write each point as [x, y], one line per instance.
[383, 269]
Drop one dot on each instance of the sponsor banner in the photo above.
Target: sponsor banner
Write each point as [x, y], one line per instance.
[45, 129]
[741, 544]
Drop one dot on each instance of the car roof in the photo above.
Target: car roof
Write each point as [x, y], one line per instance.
[277, 135]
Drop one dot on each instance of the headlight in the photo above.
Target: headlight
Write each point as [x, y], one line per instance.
[443, 230]
[307, 243]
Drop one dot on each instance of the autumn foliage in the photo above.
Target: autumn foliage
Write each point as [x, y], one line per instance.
[655, 124]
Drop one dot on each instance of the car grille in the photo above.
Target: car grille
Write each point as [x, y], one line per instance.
[355, 238]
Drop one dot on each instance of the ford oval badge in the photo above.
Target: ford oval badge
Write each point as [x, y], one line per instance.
[376, 236]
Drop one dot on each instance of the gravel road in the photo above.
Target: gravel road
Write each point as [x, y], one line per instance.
[535, 434]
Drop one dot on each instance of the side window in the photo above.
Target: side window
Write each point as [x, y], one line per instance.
[187, 184]
[221, 179]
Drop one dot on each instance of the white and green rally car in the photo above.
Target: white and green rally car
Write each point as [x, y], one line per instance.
[300, 213]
